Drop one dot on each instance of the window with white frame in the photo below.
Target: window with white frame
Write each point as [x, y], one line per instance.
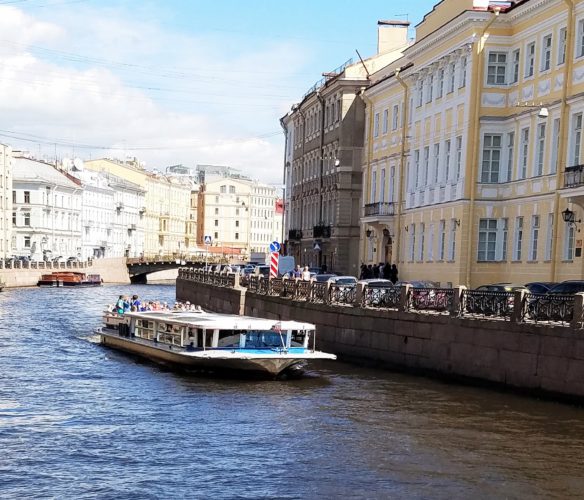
[576, 139]
[534, 238]
[441, 239]
[516, 55]
[491, 163]
[382, 186]
[385, 120]
[451, 77]
[447, 147]
[510, 153]
[580, 41]
[462, 79]
[492, 240]
[524, 153]
[426, 180]
[376, 125]
[546, 53]
[497, 68]
[391, 190]
[549, 240]
[436, 162]
[419, 92]
[452, 241]
[412, 249]
[562, 46]
[530, 60]
[373, 187]
[27, 242]
[440, 84]
[411, 111]
[569, 236]
[555, 146]
[421, 242]
[431, 243]
[429, 88]
[518, 239]
[539, 157]
[417, 168]
[395, 117]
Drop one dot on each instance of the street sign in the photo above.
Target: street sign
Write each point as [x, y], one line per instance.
[274, 246]
[208, 240]
[316, 247]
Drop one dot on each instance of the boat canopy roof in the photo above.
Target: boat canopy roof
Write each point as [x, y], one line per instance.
[212, 321]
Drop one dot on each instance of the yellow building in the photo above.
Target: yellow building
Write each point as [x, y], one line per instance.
[474, 146]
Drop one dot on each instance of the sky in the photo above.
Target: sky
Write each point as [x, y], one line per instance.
[175, 81]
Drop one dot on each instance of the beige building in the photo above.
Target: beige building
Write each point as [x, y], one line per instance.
[324, 148]
[5, 201]
[481, 154]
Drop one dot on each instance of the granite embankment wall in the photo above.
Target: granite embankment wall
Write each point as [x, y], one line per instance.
[111, 270]
[538, 358]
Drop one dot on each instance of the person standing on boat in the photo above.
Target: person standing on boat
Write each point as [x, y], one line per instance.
[120, 305]
[136, 302]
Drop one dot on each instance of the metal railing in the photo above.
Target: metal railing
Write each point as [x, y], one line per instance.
[486, 303]
[379, 208]
[574, 176]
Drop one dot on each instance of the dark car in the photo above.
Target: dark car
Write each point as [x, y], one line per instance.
[552, 306]
[540, 286]
[493, 304]
[569, 287]
[324, 277]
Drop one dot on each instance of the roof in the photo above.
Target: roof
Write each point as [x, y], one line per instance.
[27, 169]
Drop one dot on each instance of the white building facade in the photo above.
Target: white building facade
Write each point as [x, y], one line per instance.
[5, 201]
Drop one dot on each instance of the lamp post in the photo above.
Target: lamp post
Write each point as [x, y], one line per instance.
[570, 217]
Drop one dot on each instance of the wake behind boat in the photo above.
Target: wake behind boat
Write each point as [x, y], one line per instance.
[198, 340]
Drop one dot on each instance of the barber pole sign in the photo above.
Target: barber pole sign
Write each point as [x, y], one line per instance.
[274, 258]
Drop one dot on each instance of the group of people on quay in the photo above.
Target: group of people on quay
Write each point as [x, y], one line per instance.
[135, 304]
[383, 270]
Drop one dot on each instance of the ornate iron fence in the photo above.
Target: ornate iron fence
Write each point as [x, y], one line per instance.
[263, 285]
[275, 287]
[386, 297]
[430, 299]
[342, 294]
[487, 303]
[303, 290]
[253, 284]
[289, 288]
[318, 292]
[547, 308]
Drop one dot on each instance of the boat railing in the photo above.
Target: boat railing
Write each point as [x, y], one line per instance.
[517, 307]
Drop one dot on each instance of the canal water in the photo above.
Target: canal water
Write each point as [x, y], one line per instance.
[80, 421]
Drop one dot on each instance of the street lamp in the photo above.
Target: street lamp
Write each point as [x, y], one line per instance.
[543, 110]
[570, 217]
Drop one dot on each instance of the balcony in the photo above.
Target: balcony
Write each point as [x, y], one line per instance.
[294, 234]
[574, 176]
[132, 227]
[321, 231]
[380, 208]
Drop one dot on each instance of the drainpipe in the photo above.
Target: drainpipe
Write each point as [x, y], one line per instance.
[367, 183]
[402, 173]
[566, 88]
[478, 71]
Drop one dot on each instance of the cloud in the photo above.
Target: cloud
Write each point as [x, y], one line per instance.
[143, 89]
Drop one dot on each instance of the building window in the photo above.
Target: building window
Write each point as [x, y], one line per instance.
[452, 246]
[436, 161]
[26, 216]
[426, 180]
[395, 117]
[546, 53]
[510, 154]
[555, 147]
[487, 240]
[524, 153]
[534, 237]
[236, 236]
[430, 89]
[14, 218]
[237, 211]
[431, 243]
[580, 38]
[382, 186]
[13, 196]
[385, 120]
[530, 60]
[462, 81]
[451, 77]
[562, 46]
[416, 168]
[569, 242]
[576, 138]
[223, 189]
[376, 125]
[419, 93]
[497, 68]
[518, 239]
[421, 242]
[549, 237]
[515, 69]
[216, 223]
[216, 236]
[440, 84]
[412, 241]
[447, 146]
[491, 158]
[27, 197]
[216, 199]
[216, 211]
[540, 149]
[458, 157]
[27, 242]
[441, 238]
[231, 189]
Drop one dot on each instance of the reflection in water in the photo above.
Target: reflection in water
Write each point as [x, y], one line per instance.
[80, 420]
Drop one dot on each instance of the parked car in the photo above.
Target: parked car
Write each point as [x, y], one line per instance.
[551, 306]
[569, 287]
[324, 277]
[262, 270]
[379, 292]
[425, 295]
[493, 305]
[343, 289]
[540, 286]
[72, 259]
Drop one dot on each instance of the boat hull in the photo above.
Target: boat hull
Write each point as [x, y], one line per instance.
[270, 366]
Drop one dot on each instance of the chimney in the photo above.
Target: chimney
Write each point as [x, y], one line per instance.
[391, 35]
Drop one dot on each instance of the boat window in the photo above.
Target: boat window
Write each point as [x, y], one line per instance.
[170, 333]
[261, 339]
[144, 329]
[297, 339]
[228, 338]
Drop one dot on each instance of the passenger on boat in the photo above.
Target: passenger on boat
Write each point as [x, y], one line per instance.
[120, 305]
[136, 302]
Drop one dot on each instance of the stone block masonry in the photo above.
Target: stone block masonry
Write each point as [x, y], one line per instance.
[539, 358]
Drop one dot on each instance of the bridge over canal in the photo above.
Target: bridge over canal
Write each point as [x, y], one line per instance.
[140, 268]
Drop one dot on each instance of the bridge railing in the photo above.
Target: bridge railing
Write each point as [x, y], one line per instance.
[516, 307]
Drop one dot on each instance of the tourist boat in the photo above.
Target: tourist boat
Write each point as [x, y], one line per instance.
[70, 278]
[209, 342]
